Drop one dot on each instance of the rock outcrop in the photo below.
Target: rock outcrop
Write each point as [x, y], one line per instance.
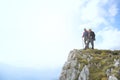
[91, 65]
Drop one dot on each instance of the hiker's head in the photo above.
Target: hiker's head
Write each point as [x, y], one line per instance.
[90, 30]
[85, 29]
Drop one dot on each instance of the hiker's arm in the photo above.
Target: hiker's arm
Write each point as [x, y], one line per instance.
[83, 35]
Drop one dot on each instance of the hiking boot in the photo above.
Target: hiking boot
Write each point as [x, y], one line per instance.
[92, 48]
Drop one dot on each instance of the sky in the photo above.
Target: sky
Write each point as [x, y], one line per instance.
[41, 33]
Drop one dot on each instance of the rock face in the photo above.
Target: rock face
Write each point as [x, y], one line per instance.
[112, 77]
[91, 65]
[84, 74]
[70, 69]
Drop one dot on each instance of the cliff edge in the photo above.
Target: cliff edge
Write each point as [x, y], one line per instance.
[91, 65]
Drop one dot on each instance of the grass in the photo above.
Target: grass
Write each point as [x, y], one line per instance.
[101, 61]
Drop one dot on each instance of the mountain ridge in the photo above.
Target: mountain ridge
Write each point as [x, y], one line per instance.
[92, 65]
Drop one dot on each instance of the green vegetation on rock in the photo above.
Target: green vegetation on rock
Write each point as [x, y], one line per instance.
[92, 65]
[100, 62]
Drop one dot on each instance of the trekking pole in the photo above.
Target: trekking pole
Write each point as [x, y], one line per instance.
[82, 43]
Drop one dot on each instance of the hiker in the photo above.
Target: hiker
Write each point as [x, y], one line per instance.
[91, 39]
[85, 36]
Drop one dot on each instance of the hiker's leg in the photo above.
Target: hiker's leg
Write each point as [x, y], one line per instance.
[92, 43]
[85, 40]
[87, 44]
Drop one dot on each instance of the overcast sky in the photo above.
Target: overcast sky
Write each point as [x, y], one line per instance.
[41, 33]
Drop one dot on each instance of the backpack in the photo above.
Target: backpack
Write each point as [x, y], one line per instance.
[92, 34]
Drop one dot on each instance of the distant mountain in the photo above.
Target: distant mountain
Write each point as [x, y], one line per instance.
[8, 72]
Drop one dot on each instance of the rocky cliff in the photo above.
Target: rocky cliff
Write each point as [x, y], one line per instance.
[92, 65]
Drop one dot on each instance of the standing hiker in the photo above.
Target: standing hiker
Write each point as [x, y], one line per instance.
[91, 39]
[85, 36]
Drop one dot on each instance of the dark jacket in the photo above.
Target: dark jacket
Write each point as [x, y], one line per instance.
[92, 35]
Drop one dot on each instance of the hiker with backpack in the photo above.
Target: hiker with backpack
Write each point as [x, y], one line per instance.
[85, 36]
[91, 39]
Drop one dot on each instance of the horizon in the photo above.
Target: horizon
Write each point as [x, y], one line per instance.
[17, 73]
